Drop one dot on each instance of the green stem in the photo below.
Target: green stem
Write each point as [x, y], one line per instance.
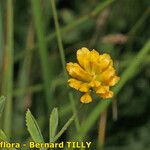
[8, 75]
[73, 106]
[1, 34]
[59, 39]
[62, 55]
[64, 128]
[43, 53]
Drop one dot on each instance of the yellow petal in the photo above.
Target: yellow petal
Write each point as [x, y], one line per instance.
[104, 61]
[102, 89]
[108, 73]
[93, 59]
[74, 83]
[94, 83]
[109, 94]
[84, 87]
[94, 55]
[77, 72]
[79, 85]
[86, 98]
[83, 58]
[113, 80]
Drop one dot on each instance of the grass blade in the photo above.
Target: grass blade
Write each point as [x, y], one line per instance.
[7, 88]
[63, 61]
[43, 53]
[59, 39]
[1, 34]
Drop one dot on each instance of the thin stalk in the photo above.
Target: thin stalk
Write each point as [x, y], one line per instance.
[8, 69]
[59, 39]
[64, 128]
[43, 53]
[102, 129]
[74, 110]
[77, 22]
[1, 35]
[127, 74]
[62, 55]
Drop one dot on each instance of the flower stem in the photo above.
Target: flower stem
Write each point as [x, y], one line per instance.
[64, 127]
[59, 39]
[62, 55]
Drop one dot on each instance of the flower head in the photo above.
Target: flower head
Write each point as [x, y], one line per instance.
[93, 72]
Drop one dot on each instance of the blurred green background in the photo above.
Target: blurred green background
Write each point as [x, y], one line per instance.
[32, 62]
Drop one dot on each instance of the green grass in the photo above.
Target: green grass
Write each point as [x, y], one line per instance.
[38, 38]
[7, 88]
[43, 52]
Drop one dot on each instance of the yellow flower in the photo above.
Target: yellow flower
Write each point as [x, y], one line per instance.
[94, 72]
